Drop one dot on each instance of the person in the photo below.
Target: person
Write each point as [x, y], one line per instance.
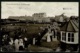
[25, 42]
[5, 40]
[8, 47]
[11, 41]
[21, 42]
[16, 43]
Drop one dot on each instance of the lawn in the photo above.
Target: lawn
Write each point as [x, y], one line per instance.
[32, 29]
[53, 44]
[35, 48]
[45, 46]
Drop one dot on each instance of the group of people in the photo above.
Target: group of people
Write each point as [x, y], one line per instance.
[11, 44]
[16, 43]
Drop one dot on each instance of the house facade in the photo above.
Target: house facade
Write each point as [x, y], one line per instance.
[38, 16]
[70, 35]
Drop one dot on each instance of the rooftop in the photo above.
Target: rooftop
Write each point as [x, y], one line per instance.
[71, 26]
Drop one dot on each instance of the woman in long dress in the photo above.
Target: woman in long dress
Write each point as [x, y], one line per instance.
[21, 43]
[16, 42]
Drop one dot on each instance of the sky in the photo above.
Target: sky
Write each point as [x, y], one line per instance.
[28, 8]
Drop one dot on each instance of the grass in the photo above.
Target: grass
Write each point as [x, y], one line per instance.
[52, 44]
[38, 48]
[32, 29]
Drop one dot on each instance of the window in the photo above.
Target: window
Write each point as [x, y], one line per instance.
[64, 36]
[70, 37]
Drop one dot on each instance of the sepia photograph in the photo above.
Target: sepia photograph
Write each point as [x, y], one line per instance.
[39, 26]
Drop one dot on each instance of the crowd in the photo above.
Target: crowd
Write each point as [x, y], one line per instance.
[16, 43]
[11, 44]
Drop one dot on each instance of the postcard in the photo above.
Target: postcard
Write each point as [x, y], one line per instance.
[39, 26]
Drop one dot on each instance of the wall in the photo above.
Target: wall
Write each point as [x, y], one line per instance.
[76, 39]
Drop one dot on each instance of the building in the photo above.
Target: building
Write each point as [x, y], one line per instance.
[70, 35]
[20, 17]
[46, 19]
[61, 18]
[39, 16]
